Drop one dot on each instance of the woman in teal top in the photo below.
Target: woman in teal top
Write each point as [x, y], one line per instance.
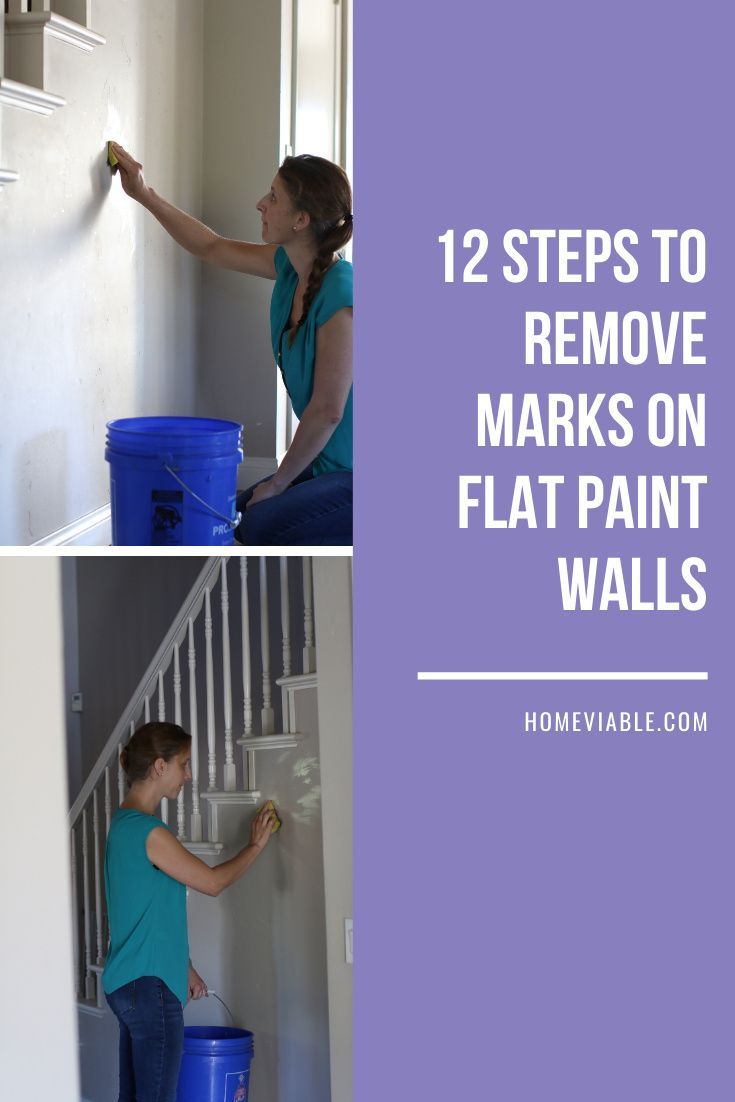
[148, 975]
[306, 221]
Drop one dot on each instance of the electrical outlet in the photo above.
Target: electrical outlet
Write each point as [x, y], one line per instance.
[77, 703]
[348, 940]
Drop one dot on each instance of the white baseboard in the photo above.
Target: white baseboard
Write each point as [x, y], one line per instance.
[95, 529]
[92, 530]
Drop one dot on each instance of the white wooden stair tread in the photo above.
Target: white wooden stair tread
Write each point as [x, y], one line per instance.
[232, 798]
[204, 849]
[15, 94]
[57, 26]
[298, 681]
[284, 741]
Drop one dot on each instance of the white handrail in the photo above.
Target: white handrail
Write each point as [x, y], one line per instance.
[161, 661]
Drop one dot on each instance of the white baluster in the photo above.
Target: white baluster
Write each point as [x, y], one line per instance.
[309, 648]
[162, 719]
[266, 712]
[108, 800]
[285, 618]
[247, 699]
[196, 815]
[230, 775]
[121, 772]
[75, 909]
[211, 752]
[180, 814]
[88, 974]
[147, 709]
[97, 874]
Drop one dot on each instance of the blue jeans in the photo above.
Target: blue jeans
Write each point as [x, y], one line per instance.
[312, 511]
[151, 1040]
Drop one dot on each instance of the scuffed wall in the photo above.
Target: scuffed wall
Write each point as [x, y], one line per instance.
[98, 307]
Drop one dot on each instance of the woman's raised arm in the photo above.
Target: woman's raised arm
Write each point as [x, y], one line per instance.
[192, 235]
[167, 854]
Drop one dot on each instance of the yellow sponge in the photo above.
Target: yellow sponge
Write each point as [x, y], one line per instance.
[270, 806]
[111, 158]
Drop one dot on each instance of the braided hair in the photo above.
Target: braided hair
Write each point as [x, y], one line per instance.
[321, 189]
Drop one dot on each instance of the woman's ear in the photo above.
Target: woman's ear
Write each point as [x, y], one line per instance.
[302, 221]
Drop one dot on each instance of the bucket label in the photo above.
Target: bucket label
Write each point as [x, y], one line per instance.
[236, 1087]
[167, 517]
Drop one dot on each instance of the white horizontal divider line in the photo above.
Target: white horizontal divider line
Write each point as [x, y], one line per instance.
[564, 675]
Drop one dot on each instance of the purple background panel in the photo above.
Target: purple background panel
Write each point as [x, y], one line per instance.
[539, 916]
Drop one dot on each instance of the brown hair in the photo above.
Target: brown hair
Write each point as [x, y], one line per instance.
[150, 742]
[320, 188]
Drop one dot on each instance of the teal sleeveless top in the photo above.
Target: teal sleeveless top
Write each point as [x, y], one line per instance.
[297, 362]
[146, 909]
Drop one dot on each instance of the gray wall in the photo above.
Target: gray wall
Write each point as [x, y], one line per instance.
[242, 67]
[262, 943]
[99, 310]
[125, 606]
[333, 621]
[102, 316]
[75, 775]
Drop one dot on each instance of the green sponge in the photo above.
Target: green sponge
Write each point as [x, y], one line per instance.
[270, 806]
[111, 158]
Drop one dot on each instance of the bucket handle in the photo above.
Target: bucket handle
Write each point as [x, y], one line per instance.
[232, 521]
[216, 996]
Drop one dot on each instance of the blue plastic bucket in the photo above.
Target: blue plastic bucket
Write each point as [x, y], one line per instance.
[173, 480]
[215, 1066]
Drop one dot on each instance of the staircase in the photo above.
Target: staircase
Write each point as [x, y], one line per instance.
[29, 30]
[234, 606]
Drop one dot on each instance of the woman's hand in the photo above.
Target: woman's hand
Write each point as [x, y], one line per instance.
[131, 174]
[261, 828]
[197, 986]
[264, 491]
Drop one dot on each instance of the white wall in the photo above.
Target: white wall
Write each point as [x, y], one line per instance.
[99, 309]
[37, 1017]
